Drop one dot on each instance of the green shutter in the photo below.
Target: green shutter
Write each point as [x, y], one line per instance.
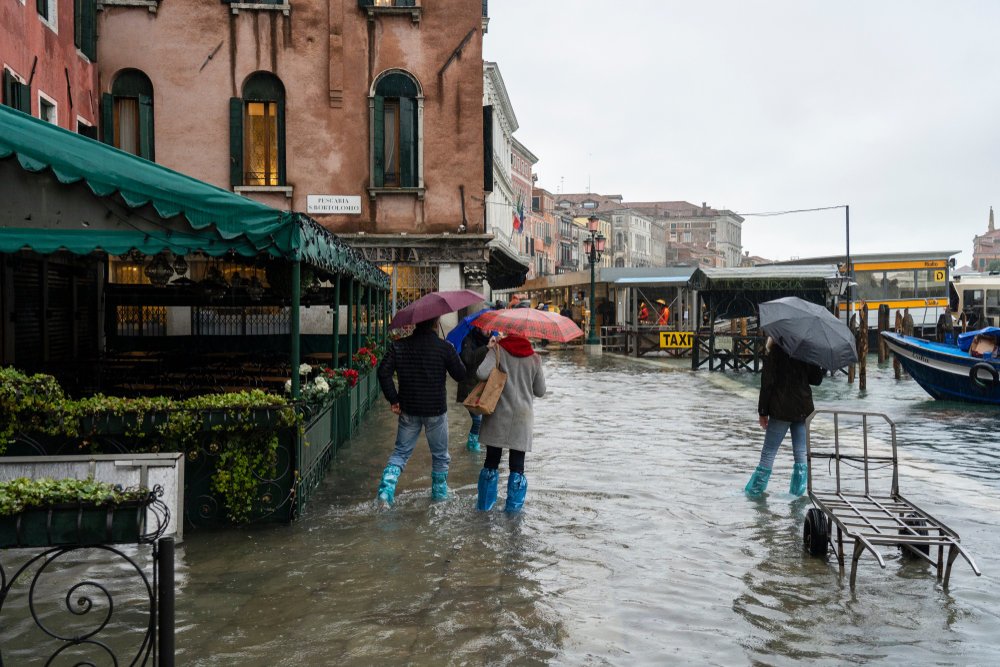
[281, 142]
[235, 141]
[407, 142]
[488, 148]
[43, 7]
[379, 132]
[88, 29]
[22, 93]
[146, 128]
[8, 90]
[108, 119]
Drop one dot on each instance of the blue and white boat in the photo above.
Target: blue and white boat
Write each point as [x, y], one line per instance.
[946, 371]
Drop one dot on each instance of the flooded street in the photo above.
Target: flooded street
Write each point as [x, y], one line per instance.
[636, 545]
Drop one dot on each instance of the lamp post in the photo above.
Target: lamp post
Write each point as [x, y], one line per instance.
[593, 247]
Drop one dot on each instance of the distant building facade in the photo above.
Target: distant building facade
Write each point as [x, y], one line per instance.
[630, 232]
[986, 248]
[546, 232]
[713, 237]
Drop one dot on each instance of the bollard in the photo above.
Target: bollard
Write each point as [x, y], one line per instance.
[883, 325]
[897, 368]
[165, 603]
[863, 348]
[907, 323]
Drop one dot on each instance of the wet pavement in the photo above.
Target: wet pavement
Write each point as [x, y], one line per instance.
[636, 545]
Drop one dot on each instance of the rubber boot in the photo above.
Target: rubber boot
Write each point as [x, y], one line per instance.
[439, 485]
[472, 444]
[387, 487]
[800, 477]
[517, 489]
[487, 489]
[758, 482]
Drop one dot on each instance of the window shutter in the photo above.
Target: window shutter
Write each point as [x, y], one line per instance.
[407, 142]
[88, 29]
[281, 142]
[108, 119]
[87, 130]
[406, 3]
[364, 3]
[488, 148]
[43, 7]
[146, 128]
[378, 131]
[235, 141]
[8, 91]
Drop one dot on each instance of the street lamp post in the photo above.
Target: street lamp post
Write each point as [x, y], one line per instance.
[593, 247]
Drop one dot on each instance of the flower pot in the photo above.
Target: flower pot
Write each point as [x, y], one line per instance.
[74, 524]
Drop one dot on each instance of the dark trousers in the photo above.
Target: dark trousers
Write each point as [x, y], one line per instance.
[515, 459]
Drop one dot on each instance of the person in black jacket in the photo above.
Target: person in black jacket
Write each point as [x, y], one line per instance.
[784, 403]
[420, 362]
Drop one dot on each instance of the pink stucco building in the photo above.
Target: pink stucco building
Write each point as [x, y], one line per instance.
[366, 114]
[46, 53]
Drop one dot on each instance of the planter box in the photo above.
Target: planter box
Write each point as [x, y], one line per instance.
[74, 524]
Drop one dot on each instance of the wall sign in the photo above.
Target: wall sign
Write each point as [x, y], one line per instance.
[334, 204]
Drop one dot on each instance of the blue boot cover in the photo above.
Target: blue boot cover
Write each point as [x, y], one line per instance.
[517, 489]
[387, 487]
[439, 485]
[472, 444]
[487, 489]
[800, 477]
[758, 482]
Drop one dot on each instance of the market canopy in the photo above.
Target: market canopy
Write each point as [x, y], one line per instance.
[193, 216]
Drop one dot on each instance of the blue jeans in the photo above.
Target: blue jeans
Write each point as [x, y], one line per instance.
[436, 429]
[775, 433]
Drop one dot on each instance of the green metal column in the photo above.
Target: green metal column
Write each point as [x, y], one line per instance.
[294, 326]
[384, 334]
[350, 320]
[368, 313]
[357, 319]
[335, 350]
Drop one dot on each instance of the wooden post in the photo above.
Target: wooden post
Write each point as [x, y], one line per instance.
[897, 369]
[883, 325]
[863, 348]
[907, 322]
[852, 368]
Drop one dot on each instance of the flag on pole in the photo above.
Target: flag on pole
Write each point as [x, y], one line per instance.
[519, 215]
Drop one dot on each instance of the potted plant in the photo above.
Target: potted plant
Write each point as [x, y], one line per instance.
[49, 512]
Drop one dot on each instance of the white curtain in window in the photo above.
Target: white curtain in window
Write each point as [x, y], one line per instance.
[127, 128]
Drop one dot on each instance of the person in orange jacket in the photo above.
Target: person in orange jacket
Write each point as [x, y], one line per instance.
[643, 313]
[664, 318]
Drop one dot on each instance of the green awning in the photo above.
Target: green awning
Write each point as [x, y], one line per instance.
[196, 216]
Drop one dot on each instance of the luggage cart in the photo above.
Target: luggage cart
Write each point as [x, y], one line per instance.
[861, 516]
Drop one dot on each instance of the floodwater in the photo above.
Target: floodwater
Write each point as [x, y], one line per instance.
[636, 545]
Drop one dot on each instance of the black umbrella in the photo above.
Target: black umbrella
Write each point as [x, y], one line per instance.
[808, 332]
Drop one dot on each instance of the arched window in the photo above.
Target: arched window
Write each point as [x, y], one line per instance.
[127, 114]
[257, 132]
[620, 263]
[396, 132]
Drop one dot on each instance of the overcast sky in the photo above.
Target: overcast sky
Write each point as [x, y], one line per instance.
[891, 106]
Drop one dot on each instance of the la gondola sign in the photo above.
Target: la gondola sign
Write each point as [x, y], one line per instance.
[333, 204]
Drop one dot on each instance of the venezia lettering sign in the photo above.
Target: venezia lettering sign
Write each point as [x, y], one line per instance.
[676, 340]
[334, 204]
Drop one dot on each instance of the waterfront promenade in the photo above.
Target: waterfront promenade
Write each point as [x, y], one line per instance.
[636, 546]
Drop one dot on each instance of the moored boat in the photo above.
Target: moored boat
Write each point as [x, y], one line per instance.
[946, 371]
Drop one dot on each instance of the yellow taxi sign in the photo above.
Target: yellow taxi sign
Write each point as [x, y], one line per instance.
[676, 340]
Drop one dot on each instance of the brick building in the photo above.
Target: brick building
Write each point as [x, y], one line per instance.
[986, 248]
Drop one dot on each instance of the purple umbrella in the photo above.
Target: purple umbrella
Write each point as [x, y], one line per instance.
[434, 305]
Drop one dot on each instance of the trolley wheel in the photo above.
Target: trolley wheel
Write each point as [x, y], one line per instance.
[815, 536]
[919, 527]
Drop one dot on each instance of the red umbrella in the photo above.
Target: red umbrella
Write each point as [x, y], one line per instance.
[434, 305]
[529, 323]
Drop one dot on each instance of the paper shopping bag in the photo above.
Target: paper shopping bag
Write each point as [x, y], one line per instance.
[482, 400]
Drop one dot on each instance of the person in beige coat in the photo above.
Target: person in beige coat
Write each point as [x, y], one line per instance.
[512, 423]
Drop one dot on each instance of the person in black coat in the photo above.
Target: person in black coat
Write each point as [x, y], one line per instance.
[474, 349]
[784, 403]
[421, 362]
